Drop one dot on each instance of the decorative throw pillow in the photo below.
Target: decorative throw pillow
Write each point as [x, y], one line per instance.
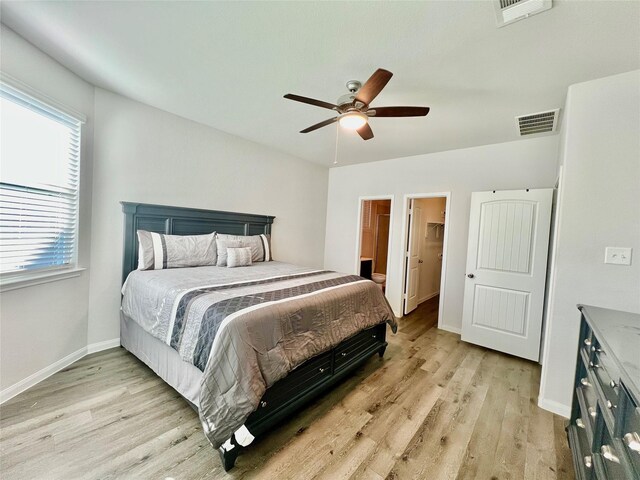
[260, 245]
[238, 257]
[222, 246]
[158, 251]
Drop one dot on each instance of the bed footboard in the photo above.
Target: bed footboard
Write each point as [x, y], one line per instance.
[308, 381]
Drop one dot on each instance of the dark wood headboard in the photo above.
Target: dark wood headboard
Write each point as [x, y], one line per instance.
[182, 221]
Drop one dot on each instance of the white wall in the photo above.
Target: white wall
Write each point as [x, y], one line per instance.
[430, 246]
[143, 154]
[146, 155]
[528, 163]
[44, 323]
[599, 206]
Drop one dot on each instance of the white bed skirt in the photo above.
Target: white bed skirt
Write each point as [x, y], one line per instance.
[162, 359]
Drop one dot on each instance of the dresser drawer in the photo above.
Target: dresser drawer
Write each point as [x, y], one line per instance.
[588, 340]
[603, 373]
[630, 431]
[610, 460]
[607, 376]
[580, 448]
[584, 419]
[587, 399]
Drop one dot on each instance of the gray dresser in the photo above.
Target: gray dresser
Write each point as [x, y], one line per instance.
[604, 430]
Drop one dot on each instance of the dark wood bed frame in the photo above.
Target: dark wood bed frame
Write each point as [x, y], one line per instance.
[307, 381]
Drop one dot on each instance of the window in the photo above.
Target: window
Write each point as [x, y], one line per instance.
[39, 179]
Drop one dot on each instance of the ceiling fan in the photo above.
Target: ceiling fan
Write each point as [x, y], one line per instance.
[354, 109]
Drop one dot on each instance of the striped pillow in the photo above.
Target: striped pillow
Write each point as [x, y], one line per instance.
[260, 246]
[158, 251]
[238, 257]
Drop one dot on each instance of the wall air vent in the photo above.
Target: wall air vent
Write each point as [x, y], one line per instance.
[509, 11]
[536, 123]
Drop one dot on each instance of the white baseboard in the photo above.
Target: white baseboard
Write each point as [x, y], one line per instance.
[451, 329]
[107, 344]
[24, 384]
[10, 392]
[555, 407]
[429, 297]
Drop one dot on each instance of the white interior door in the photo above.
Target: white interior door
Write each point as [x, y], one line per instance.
[412, 255]
[506, 270]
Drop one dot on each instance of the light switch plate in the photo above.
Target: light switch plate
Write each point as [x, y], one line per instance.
[617, 255]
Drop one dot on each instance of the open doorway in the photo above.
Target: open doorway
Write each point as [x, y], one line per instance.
[425, 254]
[373, 252]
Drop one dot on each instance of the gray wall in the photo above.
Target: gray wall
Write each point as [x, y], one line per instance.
[599, 206]
[44, 323]
[528, 163]
[143, 154]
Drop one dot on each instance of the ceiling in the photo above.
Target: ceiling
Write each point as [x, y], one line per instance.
[227, 64]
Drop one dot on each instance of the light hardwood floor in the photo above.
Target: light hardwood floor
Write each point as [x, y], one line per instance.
[434, 408]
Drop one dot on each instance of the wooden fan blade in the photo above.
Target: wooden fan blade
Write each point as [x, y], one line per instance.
[311, 101]
[365, 132]
[319, 125]
[373, 86]
[400, 111]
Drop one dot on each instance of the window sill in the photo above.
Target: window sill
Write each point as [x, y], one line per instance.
[8, 284]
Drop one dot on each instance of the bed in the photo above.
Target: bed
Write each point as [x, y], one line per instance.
[247, 346]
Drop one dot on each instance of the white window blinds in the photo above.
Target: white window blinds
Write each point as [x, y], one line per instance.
[39, 179]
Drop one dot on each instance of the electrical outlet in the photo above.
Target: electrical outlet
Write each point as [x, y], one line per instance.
[617, 255]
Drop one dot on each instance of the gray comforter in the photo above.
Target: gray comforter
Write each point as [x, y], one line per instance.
[248, 327]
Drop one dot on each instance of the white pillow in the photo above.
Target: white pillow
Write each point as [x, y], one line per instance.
[222, 246]
[238, 257]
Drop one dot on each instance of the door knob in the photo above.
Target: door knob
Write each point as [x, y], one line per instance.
[471, 275]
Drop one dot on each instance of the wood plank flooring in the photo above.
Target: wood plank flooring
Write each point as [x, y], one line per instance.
[433, 408]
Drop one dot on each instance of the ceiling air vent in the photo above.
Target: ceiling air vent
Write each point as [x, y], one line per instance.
[509, 11]
[535, 123]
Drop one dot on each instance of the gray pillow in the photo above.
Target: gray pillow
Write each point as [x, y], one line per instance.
[222, 247]
[260, 245]
[158, 251]
[238, 257]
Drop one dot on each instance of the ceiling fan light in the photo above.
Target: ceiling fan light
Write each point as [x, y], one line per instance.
[353, 120]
